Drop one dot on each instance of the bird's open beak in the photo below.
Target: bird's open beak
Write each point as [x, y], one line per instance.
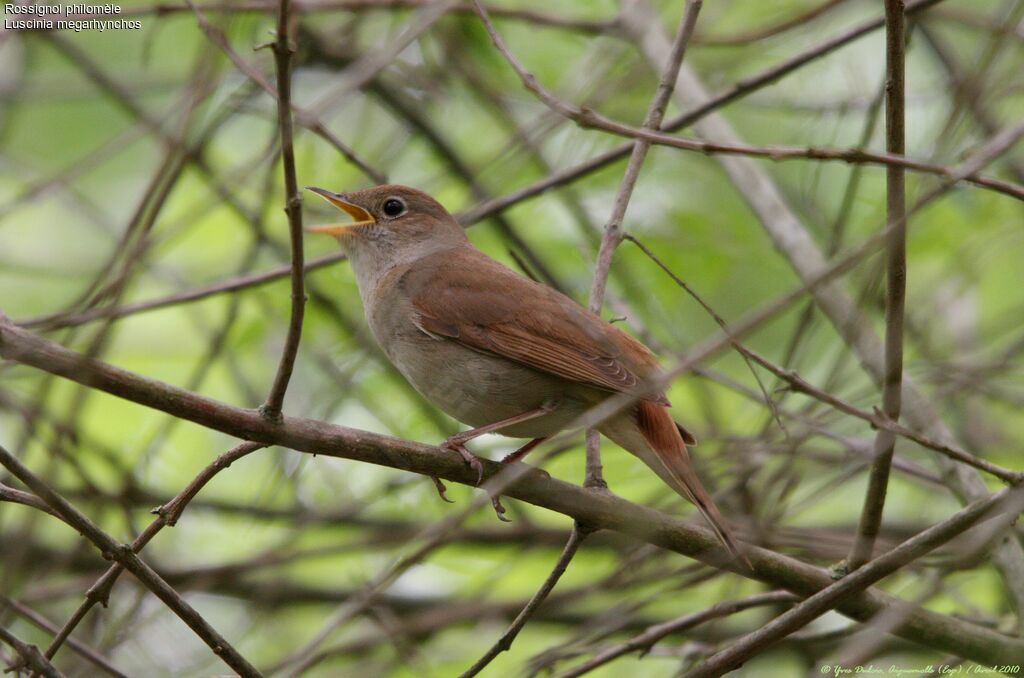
[361, 216]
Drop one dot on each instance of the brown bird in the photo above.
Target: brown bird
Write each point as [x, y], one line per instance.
[496, 350]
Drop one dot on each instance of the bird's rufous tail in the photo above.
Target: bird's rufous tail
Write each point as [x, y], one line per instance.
[666, 440]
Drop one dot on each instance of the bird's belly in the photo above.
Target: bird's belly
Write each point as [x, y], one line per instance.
[479, 389]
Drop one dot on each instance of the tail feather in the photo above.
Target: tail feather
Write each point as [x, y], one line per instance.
[666, 440]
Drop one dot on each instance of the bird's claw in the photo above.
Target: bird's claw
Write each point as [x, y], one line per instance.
[499, 510]
[441, 489]
[457, 443]
[474, 462]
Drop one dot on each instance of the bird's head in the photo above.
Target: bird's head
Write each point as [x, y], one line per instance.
[392, 224]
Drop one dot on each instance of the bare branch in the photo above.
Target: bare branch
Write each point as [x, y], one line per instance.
[576, 537]
[131, 562]
[649, 637]
[1007, 505]
[793, 240]
[78, 646]
[168, 515]
[31, 657]
[283, 51]
[602, 511]
[896, 208]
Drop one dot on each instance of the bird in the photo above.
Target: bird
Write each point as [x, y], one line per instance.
[497, 350]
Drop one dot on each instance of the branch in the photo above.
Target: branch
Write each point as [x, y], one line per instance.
[878, 420]
[747, 37]
[576, 537]
[613, 232]
[895, 298]
[111, 550]
[702, 109]
[31, 657]
[167, 515]
[283, 51]
[45, 624]
[645, 640]
[793, 240]
[302, 116]
[1008, 501]
[719, 320]
[613, 228]
[598, 510]
[61, 320]
[588, 118]
[9, 494]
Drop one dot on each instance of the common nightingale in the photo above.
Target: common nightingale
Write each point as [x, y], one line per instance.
[496, 350]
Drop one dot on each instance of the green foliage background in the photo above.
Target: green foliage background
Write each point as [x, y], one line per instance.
[76, 163]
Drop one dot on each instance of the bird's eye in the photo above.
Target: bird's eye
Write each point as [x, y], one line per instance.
[393, 207]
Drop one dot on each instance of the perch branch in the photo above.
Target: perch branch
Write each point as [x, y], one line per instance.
[598, 510]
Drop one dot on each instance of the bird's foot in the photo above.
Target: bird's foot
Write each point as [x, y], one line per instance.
[455, 443]
[441, 489]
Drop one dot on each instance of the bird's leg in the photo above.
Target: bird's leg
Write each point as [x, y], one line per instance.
[465, 436]
[458, 441]
[513, 457]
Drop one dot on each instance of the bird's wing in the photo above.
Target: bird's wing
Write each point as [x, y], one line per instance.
[465, 296]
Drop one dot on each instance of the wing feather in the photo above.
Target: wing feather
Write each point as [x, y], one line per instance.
[488, 307]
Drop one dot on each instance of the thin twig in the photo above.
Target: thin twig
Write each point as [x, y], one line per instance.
[303, 117]
[896, 209]
[738, 91]
[613, 228]
[588, 118]
[167, 516]
[747, 37]
[124, 555]
[719, 320]
[78, 646]
[820, 283]
[31, 657]
[649, 637]
[283, 52]
[63, 320]
[613, 232]
[878, 420]
[793, 240]
[599, 510]
[504, 643]
[1008, 502]
[14, 496]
